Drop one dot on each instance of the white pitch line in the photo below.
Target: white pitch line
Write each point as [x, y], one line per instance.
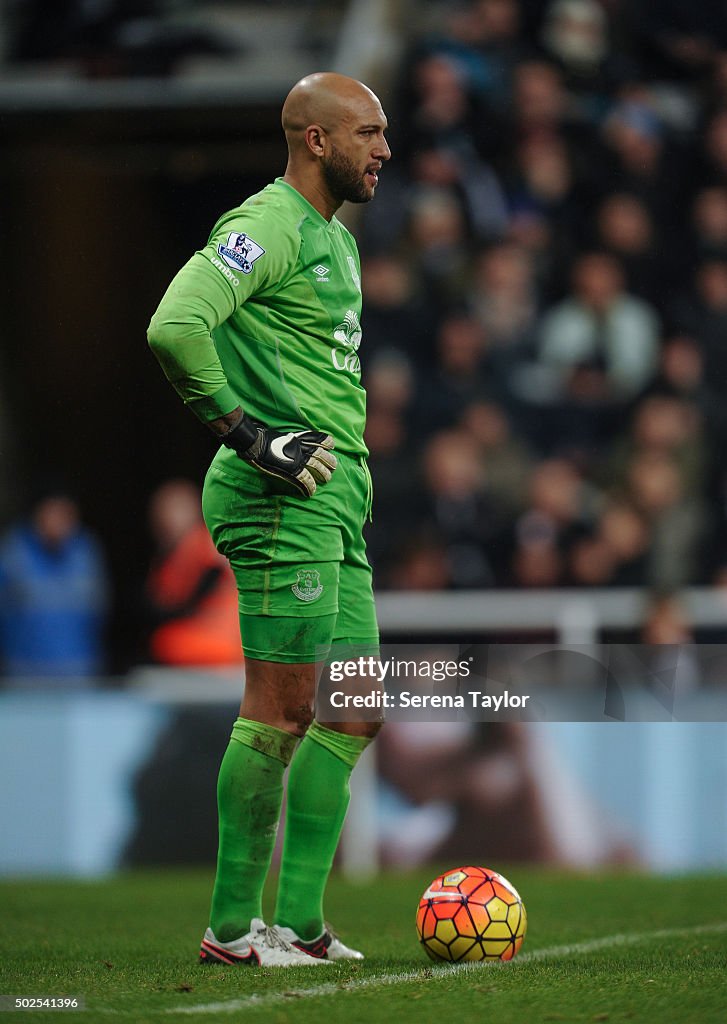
[446, 971]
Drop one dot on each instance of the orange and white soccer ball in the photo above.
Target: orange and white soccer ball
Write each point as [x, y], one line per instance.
[471, 913]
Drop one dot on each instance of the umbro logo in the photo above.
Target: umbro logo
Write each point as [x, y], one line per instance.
[321, 272]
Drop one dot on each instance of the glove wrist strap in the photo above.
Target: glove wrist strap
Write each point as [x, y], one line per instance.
[242, 437]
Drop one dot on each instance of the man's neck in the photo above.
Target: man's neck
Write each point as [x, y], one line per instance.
[314, 192]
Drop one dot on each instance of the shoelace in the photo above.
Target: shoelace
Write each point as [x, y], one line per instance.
[273, 938]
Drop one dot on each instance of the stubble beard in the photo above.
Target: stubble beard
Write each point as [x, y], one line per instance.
[344, 180]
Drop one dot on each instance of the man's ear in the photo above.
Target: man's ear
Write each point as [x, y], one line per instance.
[315, 139]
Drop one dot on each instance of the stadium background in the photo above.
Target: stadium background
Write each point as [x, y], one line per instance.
[527, 137]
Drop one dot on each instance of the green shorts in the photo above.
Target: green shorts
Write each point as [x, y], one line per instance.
[303, 578]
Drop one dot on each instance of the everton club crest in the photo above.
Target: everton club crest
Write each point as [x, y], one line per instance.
[308, 586]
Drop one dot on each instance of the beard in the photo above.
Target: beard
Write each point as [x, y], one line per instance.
[344, 180]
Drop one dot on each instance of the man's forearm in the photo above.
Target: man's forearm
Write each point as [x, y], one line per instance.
[224, 424]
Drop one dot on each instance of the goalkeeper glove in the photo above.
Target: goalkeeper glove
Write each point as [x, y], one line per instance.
[302, 457]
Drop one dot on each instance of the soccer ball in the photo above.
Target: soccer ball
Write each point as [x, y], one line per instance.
[471, 914]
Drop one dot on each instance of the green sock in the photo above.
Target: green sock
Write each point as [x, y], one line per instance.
[318, 795]
[249, 795]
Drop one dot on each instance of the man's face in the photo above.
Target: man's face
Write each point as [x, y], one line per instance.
[55, 520]
[357, 150]
[345, 178]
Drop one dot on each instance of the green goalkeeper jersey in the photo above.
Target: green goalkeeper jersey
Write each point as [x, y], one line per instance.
[267, 316]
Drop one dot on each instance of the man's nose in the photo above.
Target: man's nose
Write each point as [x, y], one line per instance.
[382, 151]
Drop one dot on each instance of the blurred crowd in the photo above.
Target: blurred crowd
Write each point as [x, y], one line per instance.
[55, 590]
[545, 324]
[545, 299]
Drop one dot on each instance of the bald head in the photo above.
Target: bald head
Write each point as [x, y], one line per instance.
[334, 127]
[326, 99]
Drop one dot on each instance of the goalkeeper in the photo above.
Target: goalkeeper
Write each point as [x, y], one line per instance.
[259, 334]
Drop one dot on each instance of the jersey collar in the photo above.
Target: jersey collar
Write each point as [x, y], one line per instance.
[303, 202]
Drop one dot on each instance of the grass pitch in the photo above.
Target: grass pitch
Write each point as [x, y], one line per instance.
[599, 948]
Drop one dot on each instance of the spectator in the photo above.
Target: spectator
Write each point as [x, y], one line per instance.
[676, 672]
[715, 150]
[53, 594]
[625, 230]
[602, 328]
[537, 562]
[503, 298]
[397, 312]
[390, 382]
[482, 37]
[507, 462]
[460, 510]
[561, 504]
[716, 97]
[681, 369]
[665, 424]
[445, 144]
[675, 520]
[560, 508]
[625, 535]
[437, 244]
[639, 158]
[576, 36]
[422, 563]
[389, 397]
[442, 109]
[666, 621]
[543, 208]
[709, 225]
[702, 314]
[590, 562]
[459, 376]
[541, 105]
[191, 596]
[576, 33]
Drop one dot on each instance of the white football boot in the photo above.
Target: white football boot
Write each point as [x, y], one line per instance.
[327, 946]
[262, 946]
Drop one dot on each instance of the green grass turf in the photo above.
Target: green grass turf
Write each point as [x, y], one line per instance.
[129, 946]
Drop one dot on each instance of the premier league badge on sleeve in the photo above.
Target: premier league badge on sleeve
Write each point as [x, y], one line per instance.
[240, 252]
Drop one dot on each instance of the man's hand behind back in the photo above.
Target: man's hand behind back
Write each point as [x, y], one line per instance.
[302, 457]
